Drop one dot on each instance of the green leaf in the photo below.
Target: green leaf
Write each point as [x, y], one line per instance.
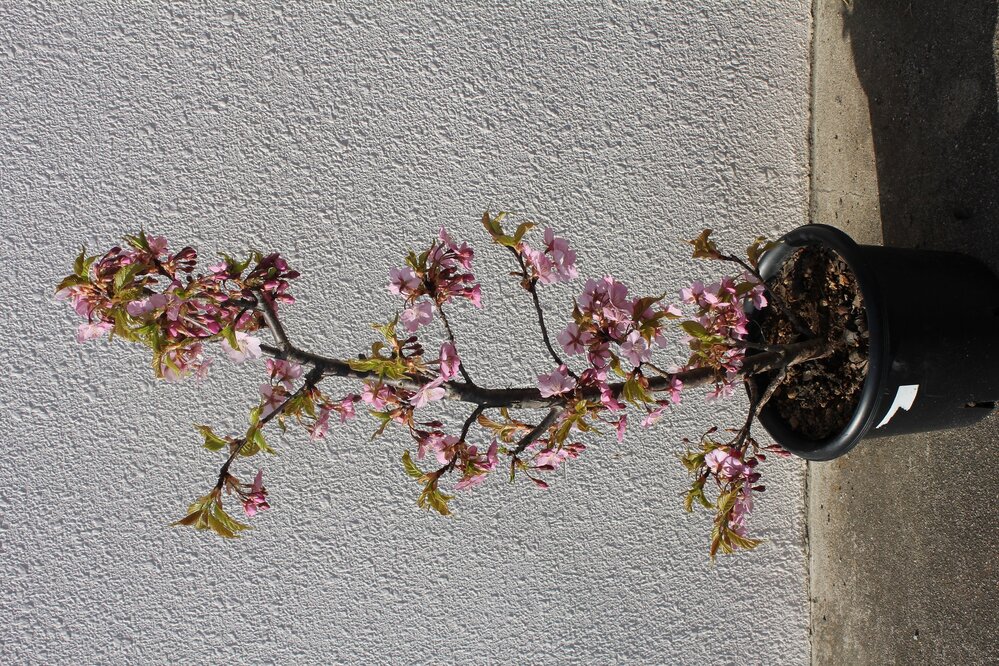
[212, 441]
[231, 525]
[615, 365]
[258, 439]
[410, 467]
[122, 325]
[726, 501]
[229, 333]
[384, 417]
[522, 229]
[219, 527]
[635, 392]
[693, 461]
[388, 329]
[742, 542]
[126, 275]
[81, 266]
[431, 498]
[695, 329]
[391, 368]
[189, 520]
[704, 247]
[756, 250]
[71, 281]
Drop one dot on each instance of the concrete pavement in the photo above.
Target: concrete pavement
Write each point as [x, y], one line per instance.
[903, 536]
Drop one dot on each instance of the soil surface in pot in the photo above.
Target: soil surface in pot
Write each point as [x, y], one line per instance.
[818, 398]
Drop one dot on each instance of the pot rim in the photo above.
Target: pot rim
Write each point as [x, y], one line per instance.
[868, 404]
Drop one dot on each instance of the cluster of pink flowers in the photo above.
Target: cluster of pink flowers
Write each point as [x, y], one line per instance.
[546, 456]
[442, 273]
[555, 263]
[608, 327]
[343, 408]
[282, 375]
[721, 320]
[146, 294]
[256, 500]
[730, 470]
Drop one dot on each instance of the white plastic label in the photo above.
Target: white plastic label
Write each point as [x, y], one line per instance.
[904, 397]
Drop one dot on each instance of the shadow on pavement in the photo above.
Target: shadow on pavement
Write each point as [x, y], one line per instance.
[904, 534]
[928, 68]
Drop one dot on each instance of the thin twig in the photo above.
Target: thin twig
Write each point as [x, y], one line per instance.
[531, 284]
[273, 323]
[450, 335]
[314, 377]
[538, 430]
[469, 421]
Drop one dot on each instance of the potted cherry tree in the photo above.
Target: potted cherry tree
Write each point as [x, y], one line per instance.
[748, 329]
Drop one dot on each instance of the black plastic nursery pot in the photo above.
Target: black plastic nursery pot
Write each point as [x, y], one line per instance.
[932, 319]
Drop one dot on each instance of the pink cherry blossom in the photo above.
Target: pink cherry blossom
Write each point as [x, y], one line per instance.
[692, 293]
[556, 383]
[636, 349]
[721, 462]
[556, 263]
[653, 416]
[740, 511]
[418, 315]
[403, 281]
[449, 361]
[157, 244]
[81, 299]
[574, 340]
[256, 500]
[272, 397]
[721, 391]
[144, 306]
[599, 355]
[428, 393]
[470, 481]
[621, 426]
[321, 426]
[606, 299]
[608, 400]
[182, 362]
[429, 441]
[474, 294]
[90, 331]
[248, 348]
[463, 254]
[345, 407]
[675, 386]
[284, 372]
[376, 398]
[563, 258]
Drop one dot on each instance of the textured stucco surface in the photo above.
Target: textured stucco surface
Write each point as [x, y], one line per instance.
[340, 136]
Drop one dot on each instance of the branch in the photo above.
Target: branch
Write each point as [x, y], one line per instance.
[314, 377]
[273, 323]
[469, 421]
[530, 397]
[539, 430]
[450, 335]
[531, 285]
[799, 325]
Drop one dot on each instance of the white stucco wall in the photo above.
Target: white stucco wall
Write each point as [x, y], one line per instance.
[340, 135]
